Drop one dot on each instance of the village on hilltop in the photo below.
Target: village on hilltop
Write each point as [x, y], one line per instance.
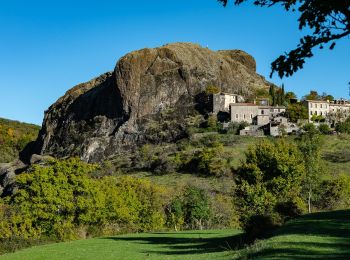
[265, 119]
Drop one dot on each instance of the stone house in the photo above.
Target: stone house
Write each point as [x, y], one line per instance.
[254, 114]
[332, 111]
[316, 108]
[222, 101]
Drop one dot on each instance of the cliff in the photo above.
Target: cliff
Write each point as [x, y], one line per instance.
[120, 109]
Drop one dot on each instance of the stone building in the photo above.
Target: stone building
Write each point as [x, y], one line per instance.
[243, 112]
[339, 110]
[316, 108]
[332, 111]
[222, 101]
[254, 114]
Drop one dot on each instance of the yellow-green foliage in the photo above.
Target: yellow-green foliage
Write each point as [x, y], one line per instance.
[211, 89]
[14, 136]
[273, 172]
[61, 200]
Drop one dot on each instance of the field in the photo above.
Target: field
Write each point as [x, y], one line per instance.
[208, 244]
[320, 235]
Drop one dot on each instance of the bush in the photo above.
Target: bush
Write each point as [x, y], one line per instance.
[192, 209]
[61, 201]
[260, 226]
[343, 127]
[272, 173]
[310, 128]
[235, 128]
[291, 209]
[324, 129]
[224, 212]
[209, 161]
[334, 193]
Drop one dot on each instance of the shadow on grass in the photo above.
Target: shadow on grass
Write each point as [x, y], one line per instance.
[334, 224]
[331, 238]
[186, 245]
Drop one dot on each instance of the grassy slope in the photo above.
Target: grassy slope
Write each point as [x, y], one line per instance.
[14, 136]
[209, 244]
[335, 153]
[320, 235]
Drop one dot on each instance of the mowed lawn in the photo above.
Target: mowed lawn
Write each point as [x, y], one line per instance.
[207, 244]
[319, 236]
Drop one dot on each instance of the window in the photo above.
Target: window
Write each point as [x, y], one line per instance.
[315, 105]
[237, 116]
[244, 116]
[262, 111]
[310, 105]
[316, 113]
[310, 112]
[321, 105]
[321, 113]
[251, 116]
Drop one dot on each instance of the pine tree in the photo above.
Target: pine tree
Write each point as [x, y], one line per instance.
[272, 93]
[283, 96]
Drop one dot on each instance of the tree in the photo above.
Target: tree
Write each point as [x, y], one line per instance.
[196, 207]
[313, 95]
[327, 21]
[272, 93]
[289, 95]
[343, 127]
[326, 97]
[296, 111]
[283, 97]
[324, 129]
[309, 145]
[272, 173]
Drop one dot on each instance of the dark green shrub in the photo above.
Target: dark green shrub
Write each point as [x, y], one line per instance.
[235, 128]
[343, 127]
[196, 207]
[334, 193]
[291, 209]
[260, 226]
[324, 129]
[310, 128]
[209, 161]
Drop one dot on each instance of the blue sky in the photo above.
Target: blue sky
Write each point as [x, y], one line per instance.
[46, 47]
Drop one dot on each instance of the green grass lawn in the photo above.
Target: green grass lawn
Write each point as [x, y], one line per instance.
[207, 244]
[319, 236]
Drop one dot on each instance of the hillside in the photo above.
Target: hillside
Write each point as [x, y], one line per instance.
[14, 136]
[320, 235]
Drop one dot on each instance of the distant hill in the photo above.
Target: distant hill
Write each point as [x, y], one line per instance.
[14, 136]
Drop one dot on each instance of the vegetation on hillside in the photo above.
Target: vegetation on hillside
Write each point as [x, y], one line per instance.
[211, 179]
[14, 136]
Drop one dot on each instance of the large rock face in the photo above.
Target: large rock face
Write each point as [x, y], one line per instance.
[115, 111]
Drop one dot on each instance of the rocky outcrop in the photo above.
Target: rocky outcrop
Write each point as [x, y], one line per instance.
[8, 172]
[118, 109]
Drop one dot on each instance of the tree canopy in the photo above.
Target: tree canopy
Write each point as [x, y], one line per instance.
[327, 21]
